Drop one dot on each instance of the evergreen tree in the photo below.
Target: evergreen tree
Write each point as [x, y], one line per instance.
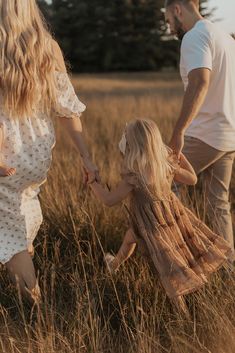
[101, 35]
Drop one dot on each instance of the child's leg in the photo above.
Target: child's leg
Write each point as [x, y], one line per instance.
[4, 170]
[126, 250]
[22, 273]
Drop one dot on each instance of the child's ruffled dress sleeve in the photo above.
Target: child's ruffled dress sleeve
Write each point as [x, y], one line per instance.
[67, 103]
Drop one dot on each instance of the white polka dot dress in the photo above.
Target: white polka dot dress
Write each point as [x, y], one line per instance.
[27, 147]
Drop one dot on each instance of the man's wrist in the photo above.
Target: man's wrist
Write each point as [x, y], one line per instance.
[179, 132]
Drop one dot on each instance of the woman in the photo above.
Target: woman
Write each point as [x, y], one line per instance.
[34, 85]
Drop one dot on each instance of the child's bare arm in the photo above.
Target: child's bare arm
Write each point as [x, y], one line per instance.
[111, 198]
[186, 173]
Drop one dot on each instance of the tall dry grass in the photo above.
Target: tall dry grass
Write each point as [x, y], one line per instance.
[85, 309]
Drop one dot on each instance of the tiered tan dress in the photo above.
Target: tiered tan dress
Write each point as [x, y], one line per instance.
[183, 249]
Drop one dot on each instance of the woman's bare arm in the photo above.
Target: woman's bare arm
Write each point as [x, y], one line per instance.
[60, 64]
[75, 131]
[74, 126]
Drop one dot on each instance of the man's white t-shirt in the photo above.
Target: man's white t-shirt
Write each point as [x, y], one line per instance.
[207, 46]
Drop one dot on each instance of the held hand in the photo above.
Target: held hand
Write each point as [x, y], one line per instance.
[90, 169]
[177, 144]
[88, 178]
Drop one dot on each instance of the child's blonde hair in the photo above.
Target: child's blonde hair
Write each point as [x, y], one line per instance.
[147, 156]
[27, 61]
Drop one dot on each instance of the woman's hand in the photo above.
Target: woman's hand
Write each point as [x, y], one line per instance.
[88, 178]
[91, 170]
[74, 128]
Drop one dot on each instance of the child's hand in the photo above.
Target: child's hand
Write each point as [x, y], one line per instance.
[6, 171]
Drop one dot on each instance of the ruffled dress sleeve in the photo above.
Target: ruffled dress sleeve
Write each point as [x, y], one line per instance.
[67, 103]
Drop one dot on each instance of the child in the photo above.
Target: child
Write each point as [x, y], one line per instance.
[183, 249]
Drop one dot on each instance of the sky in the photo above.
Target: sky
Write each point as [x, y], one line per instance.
[226, 12]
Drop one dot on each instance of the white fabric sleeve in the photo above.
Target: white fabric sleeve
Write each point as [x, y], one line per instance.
[67, 103]
[196, 51]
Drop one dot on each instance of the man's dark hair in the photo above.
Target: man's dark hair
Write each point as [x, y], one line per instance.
[170, 2]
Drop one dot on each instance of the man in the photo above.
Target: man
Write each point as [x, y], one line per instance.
[205, 130]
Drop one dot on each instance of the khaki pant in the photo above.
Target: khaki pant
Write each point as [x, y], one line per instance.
[217, 169]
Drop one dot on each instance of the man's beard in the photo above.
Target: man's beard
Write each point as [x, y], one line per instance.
[178, 29]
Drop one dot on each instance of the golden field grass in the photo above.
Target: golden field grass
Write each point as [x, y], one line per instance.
[84, 309]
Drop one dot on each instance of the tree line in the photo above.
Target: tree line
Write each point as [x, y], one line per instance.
[117, 35]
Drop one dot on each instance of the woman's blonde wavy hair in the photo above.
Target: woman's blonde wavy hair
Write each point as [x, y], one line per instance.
[147, 156]
[27, 62]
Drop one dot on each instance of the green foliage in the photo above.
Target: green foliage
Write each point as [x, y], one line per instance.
[101, 35]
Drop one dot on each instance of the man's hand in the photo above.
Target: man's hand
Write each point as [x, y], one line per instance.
[177, 144]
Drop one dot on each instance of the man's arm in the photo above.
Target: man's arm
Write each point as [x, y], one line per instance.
[199, 80]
